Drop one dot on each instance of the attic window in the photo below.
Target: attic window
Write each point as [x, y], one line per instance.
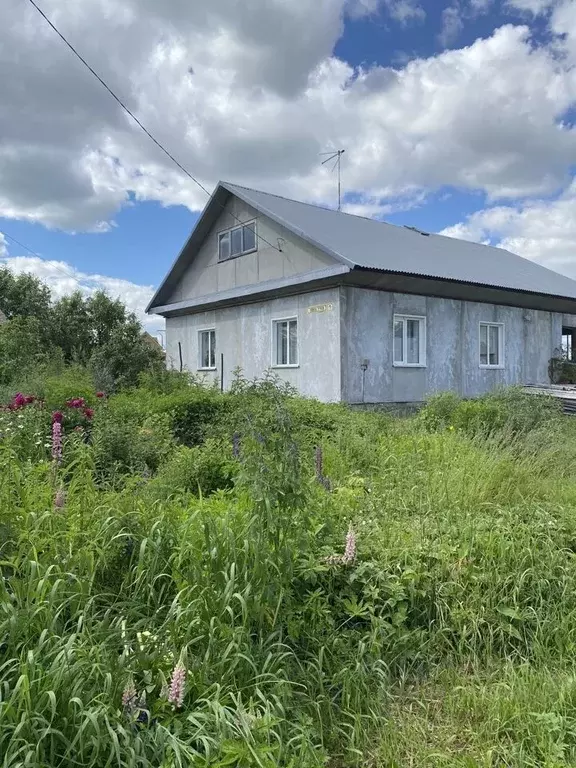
[237, 241]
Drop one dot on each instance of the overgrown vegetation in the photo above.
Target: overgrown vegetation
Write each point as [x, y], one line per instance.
[192, 578]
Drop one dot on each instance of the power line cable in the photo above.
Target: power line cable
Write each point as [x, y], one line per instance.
[55, 264]
[136, 120]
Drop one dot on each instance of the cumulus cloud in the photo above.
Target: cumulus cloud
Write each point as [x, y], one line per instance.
[252, 93]
[452, 24]
[63, 279]
[541, 230]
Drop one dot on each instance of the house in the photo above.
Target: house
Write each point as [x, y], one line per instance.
[349, 308]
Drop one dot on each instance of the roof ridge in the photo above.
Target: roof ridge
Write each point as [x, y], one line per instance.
[311, 205]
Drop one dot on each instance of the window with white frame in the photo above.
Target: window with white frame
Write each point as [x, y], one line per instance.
[207, 350]
[409, 340]
[285, 342]
[491, 345]
[237, 241]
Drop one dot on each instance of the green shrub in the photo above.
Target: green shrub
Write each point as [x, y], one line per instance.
[121, 445]
[73, 382]
[200, 469]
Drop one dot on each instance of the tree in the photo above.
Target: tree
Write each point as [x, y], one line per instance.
[94, 331]
[22, 347]
[23, 295]
[118, 362]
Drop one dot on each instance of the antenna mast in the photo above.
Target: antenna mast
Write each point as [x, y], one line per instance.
[336, 156]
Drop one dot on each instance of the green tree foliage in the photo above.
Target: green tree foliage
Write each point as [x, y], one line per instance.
[23, 295]
[21, 345]
[94, 331]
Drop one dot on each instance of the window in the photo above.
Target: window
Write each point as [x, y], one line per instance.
[409, 340]
[237, 241]
[207, 350]
[491, 345]
[285, 342]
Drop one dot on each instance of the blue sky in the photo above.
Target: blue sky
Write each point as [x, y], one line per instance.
[453, 116]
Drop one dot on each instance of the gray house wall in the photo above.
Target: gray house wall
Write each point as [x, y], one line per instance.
[244, 338]
[206, 275]
[452, 341]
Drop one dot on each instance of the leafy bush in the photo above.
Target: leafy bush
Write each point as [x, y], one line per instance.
[202, 469]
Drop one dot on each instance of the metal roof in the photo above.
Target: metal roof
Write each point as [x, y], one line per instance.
[362, 242]
[358, 242]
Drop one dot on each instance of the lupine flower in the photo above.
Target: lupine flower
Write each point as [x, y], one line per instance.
[129, 696]
[350, 550]
[100, 395]
[349, 555]
[57, 416]
[89, 412]
[30, 399]
[60, 499]
[57, 441]
[177, 683]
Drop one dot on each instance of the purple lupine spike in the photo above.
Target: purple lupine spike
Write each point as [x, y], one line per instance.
[57, 441]
[177, 683]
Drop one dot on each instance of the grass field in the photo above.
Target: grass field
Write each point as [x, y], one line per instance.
[253, 579]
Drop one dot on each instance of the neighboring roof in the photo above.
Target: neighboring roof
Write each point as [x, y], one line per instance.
[358, 242]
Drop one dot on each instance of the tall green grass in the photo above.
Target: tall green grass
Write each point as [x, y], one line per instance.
[448, 641]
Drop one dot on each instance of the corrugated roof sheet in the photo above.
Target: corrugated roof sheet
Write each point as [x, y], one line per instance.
[361, 242]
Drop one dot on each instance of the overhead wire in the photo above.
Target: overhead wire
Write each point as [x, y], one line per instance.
[55, 264]
[136, 119]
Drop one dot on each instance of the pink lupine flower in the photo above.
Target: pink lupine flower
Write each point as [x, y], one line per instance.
[129, 696]
[57, 441]
[89, 413]
[350, 550]
[60, 499]
[177, 683]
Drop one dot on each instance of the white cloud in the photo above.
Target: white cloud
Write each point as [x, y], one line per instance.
[533, 6]
[541, 230]
[403, 11]
[63, 279]
[452, 24]
[252, 92]
[265, 96]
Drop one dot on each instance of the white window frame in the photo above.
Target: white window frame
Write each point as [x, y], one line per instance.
[200, 366]
[422, 340]
[274, 345]
[501, 338]
[228, 233]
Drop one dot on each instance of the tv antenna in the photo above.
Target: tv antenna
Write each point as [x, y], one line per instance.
[336, 156]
